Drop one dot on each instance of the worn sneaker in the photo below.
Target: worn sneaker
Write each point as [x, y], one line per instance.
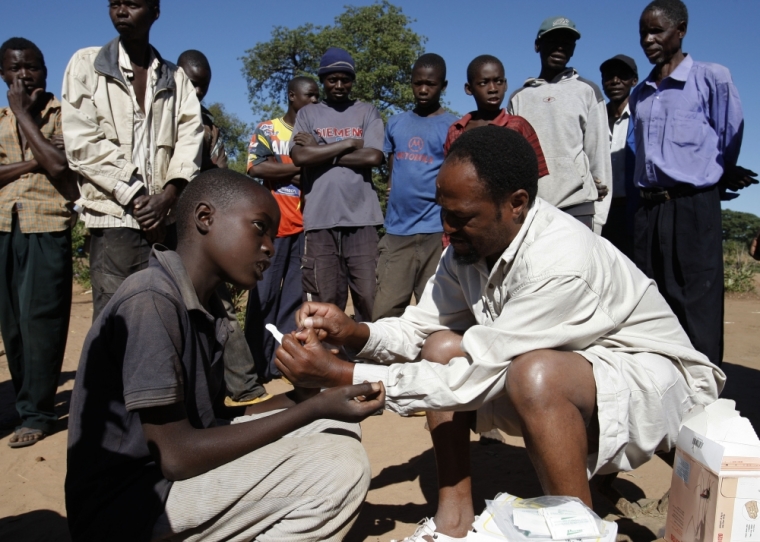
[426, 527]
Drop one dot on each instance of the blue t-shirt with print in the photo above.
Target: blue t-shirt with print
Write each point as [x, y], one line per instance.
[416, 144]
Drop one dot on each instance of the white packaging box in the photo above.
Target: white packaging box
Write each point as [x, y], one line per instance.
[715, 489]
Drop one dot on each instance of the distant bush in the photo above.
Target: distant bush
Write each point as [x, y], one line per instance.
[81, 261]
[739, 268]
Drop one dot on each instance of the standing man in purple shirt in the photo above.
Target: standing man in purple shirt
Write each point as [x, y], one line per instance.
[687, 125]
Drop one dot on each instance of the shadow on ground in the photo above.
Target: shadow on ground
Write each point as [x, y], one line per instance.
[35, 526]
[497, 467]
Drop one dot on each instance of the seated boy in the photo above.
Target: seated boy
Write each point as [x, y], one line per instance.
[532, 324]
[151, 455]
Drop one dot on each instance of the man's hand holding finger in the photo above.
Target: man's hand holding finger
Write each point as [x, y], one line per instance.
[309, 365]
[328, 322]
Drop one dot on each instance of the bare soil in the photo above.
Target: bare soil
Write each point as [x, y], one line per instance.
[403, 488]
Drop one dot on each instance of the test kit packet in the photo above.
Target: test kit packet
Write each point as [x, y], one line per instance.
[715, 488]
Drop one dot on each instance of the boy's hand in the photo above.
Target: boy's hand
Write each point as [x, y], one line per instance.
[601, 189]
[328, 322]
[310, 365]
[350, 404]
[753, 249]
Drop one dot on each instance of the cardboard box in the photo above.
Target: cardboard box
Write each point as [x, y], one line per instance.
[715, 489]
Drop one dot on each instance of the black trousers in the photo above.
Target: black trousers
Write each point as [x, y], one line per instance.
[338, 260]
[35, 305]
[115, 253]
[679, 243]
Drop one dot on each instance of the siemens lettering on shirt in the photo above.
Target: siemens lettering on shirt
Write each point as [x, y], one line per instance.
[347, 132]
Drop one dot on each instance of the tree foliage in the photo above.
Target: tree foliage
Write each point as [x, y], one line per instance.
[235, 135]
[379, 38]
[740, 227]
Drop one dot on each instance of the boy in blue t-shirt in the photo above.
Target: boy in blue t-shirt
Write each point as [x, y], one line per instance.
[411, 248]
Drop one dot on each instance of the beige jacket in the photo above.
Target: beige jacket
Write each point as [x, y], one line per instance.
[97, 127]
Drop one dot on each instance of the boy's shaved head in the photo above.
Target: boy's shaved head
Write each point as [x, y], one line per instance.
[480, 61]
[193, 58]
[219, 187]
[299, 81]
[432, 60]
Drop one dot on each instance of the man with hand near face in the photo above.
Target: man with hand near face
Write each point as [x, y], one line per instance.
[688, 127]
[533, 325]
[133, 131]
[337, 142]
[36, 194]
[568, 114]
[619, 76]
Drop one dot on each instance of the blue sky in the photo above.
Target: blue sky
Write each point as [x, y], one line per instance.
[722, 31]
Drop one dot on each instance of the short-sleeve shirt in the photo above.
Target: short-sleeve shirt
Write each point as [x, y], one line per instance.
[272, 139]
[513, 122]
[42, 204]
[337, 196]
[154, 345]
[416, 144]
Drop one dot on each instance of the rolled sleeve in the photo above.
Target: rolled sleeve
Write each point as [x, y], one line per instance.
[152, 367]
[125, 193]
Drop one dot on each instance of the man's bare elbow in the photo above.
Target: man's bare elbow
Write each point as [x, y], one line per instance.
[377, 159]
[57, 171]
[298, 158]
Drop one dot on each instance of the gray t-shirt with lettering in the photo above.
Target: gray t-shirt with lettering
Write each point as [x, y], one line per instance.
[337, 196]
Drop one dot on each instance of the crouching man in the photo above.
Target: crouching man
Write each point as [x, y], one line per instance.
[152, 454]
[531, 324]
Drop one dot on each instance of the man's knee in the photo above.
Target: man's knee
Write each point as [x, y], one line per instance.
[546, 378]
[529, 380]
[442, 346]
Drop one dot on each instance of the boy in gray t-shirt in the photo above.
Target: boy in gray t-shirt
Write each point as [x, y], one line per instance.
[337, 142]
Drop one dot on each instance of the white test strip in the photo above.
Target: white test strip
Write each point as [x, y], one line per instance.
[275, 332]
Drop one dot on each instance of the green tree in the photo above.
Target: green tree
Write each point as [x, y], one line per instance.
[739, 227]
[379, 38]
[235, 135]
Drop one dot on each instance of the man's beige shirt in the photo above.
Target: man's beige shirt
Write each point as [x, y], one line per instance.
[557, 286]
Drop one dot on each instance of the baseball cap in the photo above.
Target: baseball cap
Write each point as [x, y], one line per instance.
[628, 61]
[557, 23]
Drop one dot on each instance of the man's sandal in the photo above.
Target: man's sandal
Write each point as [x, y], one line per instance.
[35, 434]
[426, 527]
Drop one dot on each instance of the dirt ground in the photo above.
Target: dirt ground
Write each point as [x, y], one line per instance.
[403, 487]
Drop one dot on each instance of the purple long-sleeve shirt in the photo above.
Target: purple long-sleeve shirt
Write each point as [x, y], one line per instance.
[687, 130]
